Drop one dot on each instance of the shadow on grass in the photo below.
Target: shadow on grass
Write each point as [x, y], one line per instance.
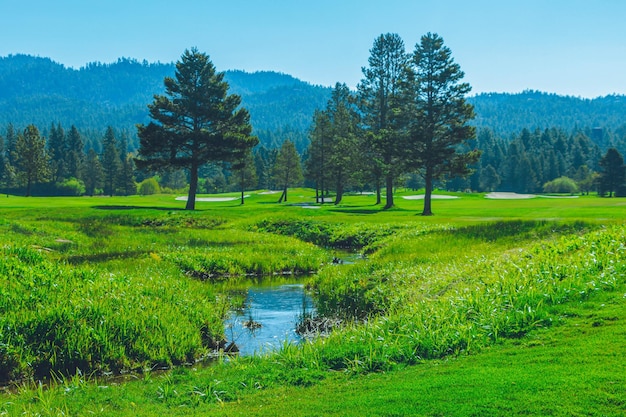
[372, 210]
[137, 208]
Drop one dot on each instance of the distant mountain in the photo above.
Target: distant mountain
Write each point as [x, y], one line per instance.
[40, 91]
[508, 114]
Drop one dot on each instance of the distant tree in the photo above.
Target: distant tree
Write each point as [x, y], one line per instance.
[287, 169]
[333, 152]
[317, 154]
[126, 178]
[441, 116]
[195, 122]
[489, 179]
[264, 159]
[4, 165]
[381, 97]
[612, 172]
[9, 143]
[585, 179]
[57, 150]
[93, 173]
[75, 156]
[344, 149]
[122, 146]
[110, 160]
[31, 160]
[174, 179]
[244, 172]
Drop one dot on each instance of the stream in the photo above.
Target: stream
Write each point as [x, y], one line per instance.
[271, 312]
[269, 317]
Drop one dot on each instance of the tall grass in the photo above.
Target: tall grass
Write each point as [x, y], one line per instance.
[413, 311]
[54, 318]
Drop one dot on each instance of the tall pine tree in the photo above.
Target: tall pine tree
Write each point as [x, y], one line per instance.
[380, 100]
[196, 122]
[441, 116]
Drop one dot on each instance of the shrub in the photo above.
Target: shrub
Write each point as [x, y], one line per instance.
[561, 185]
[149, 186]
[71, 187]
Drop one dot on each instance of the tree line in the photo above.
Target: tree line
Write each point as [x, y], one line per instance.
[62, 164]
[408, 124]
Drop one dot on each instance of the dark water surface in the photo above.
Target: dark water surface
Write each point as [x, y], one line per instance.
[275, 309]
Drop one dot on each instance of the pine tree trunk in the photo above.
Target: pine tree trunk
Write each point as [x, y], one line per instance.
[243, 181]
[339, 195]
[193, 185]
[428, 194]
[389, 190]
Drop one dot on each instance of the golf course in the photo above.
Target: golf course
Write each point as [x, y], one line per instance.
[493, 306]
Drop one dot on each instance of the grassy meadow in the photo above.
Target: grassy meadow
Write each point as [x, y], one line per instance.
[490, 307]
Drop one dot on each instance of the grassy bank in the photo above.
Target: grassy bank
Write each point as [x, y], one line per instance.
[93, 287]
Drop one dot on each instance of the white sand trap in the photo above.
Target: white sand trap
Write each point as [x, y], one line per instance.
[269, 192]
[509, 196]
[434, 197]
[213, 199]
[310, 207]
[559, 196]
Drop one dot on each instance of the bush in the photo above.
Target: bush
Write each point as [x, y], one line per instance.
[561, 185]
[149, 186]
[71, 187]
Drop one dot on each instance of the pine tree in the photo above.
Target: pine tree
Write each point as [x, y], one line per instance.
[244, 173]
[9, 140]
[4, 165]
[75, 157]
[612, 172]
[317, 154]
[111, 163]
[126, 178]
[342, 158]
[93, 173]
[380, 100]
[57, 150]
[30, 158]
[287, 169]
[440, 114]
[196, 122]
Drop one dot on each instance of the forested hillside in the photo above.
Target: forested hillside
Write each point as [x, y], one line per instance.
[506, 113]
[40, 91]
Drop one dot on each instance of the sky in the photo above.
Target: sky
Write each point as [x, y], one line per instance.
[567, 47]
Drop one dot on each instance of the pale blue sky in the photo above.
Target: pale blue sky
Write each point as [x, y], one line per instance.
[570, 47]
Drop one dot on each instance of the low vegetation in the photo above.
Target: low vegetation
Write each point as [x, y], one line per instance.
[131, 285]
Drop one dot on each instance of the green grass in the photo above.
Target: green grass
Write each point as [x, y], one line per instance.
[440, 305]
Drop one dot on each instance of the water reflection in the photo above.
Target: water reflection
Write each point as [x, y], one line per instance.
[269, 318]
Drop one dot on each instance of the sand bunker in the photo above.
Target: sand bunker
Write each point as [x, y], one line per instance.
[434, 197]
[213, 199]
[515, 196]
[509, 196]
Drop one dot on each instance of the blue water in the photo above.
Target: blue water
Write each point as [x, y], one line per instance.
[277, 309]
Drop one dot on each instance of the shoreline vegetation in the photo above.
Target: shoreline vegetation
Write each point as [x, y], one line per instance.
[127, 285]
